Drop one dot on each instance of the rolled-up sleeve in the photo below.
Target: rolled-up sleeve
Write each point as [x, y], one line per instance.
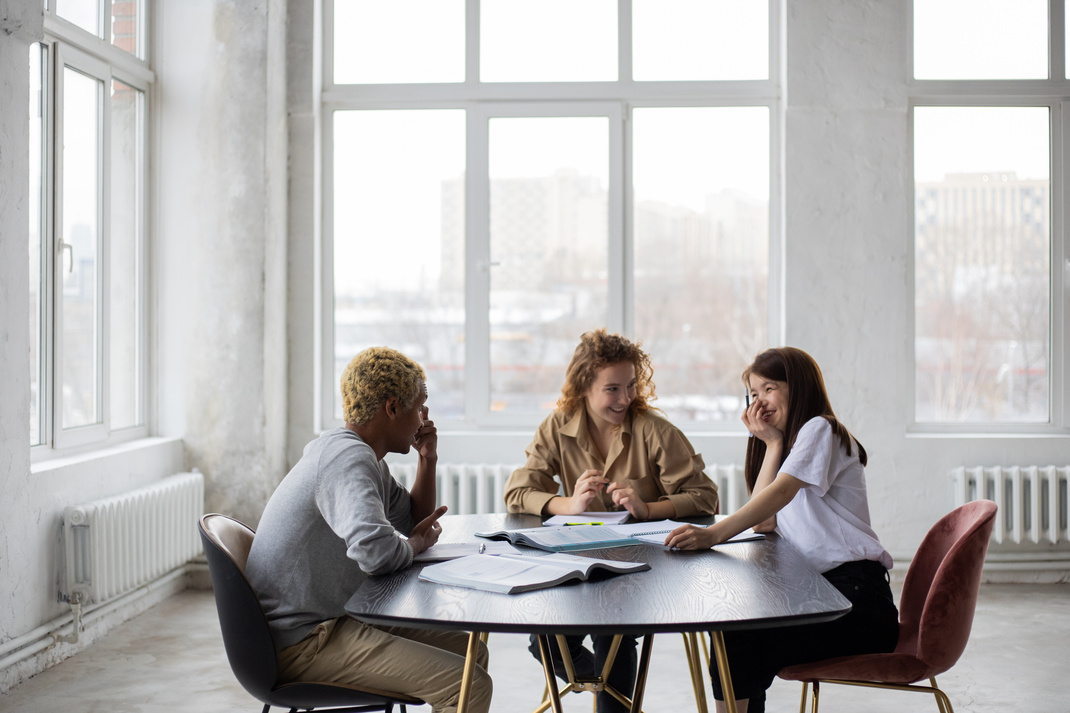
[682, 474]
[532, 485]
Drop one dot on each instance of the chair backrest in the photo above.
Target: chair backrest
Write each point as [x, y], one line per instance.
[246, 635]
[940, 590]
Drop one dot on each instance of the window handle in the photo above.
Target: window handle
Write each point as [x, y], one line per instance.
[67, 246]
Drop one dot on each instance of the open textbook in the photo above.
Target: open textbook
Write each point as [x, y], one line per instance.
[510, 574]
[582, 537]
[593, 537]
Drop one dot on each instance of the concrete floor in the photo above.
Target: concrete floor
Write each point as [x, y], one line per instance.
[171, 659]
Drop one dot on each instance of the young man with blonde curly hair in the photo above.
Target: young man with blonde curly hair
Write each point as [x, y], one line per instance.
[339, 516]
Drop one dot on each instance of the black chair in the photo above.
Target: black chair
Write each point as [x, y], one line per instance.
[247, 638]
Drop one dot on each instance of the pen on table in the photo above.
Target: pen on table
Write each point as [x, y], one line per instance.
[482, 547]
[584, 523]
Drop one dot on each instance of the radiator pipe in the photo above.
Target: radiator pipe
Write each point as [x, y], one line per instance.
[49, 634]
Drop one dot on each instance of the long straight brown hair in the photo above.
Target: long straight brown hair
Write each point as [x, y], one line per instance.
[807, 399]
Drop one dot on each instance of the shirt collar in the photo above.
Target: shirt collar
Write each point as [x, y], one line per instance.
[576, 424]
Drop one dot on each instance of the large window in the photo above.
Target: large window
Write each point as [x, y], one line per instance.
[989, 103]
[87, 235]
[503, 175]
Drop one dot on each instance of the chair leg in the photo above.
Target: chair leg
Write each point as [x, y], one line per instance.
[817, 685]
[802, 703]
[942, 701]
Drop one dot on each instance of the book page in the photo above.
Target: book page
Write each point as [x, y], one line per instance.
[505, 571]
[574, 563]
[570, 537]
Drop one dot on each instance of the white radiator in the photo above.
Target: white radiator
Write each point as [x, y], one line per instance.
[117, 544]
[731, 486]
[471, 488]
[1032, 502]
[466, 488]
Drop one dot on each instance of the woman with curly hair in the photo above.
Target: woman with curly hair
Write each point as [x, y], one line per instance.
[605, 448]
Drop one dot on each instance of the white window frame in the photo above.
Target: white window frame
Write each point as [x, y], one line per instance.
[483, 101]
[1053, 93]
[70, 46]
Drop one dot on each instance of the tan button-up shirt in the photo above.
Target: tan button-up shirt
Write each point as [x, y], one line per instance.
[647, 453]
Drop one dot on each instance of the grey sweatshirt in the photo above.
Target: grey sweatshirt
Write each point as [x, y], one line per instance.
[334, 519]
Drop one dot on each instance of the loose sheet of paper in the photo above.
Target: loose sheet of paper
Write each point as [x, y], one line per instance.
[449, 551]
[589, 518]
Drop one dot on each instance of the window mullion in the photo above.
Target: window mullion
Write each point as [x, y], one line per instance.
[1057, 40]
[58, 259]
[624, 42]
[104, 250]
[50, 247]
[477, 267]
[325, 385]
[620, 315]
[1060, 268]
[471, 49]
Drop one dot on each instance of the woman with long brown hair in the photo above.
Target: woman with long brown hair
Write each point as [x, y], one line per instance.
[806, 474]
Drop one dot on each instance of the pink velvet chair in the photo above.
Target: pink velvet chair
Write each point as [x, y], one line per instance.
[935, 613]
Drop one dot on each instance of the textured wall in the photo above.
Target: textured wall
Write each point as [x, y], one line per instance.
[20, 24]
[221, 243]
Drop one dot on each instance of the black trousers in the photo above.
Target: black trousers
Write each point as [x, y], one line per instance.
[872, 626]
[588, 664]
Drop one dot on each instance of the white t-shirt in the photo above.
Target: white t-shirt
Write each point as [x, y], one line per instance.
[828, 519]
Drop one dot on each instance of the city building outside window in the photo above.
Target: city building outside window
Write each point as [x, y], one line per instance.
[502, 176]
[988, 97]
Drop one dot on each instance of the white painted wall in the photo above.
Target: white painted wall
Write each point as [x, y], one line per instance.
[220, 243]
[21, 546]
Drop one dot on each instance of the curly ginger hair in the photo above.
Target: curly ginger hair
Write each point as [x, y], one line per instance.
[598, 349]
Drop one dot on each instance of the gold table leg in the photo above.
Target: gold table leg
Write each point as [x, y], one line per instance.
[469, 668]
[697, 676]
[578, 684]
[548, 671]
[640, 674]
[722, 669]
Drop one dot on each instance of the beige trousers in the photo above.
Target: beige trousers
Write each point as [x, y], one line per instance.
[422, 663]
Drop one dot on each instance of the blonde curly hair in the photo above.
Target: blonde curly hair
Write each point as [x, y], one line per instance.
[373, 376]
[598, 349]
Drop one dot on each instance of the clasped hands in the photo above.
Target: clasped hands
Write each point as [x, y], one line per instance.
[589, 485]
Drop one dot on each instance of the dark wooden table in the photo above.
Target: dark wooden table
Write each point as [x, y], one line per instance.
[746, 585]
